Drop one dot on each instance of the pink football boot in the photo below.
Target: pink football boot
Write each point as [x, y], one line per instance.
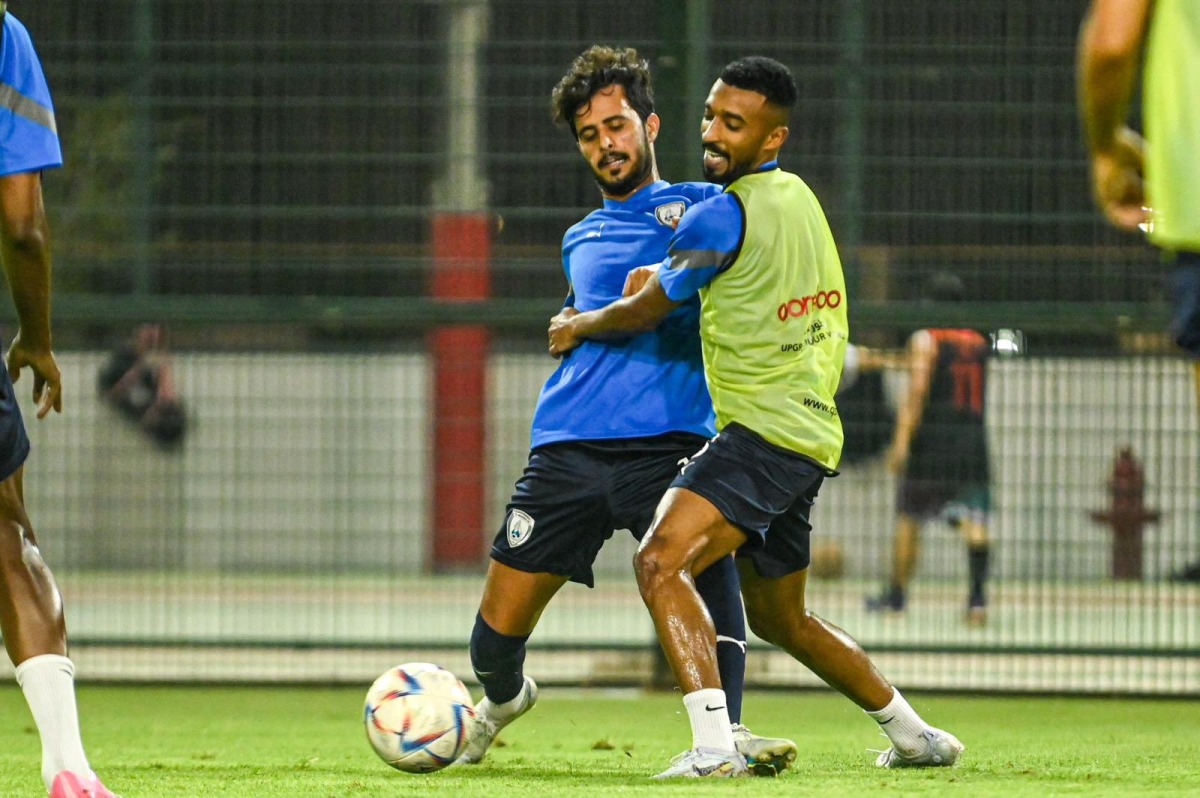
[70, 785]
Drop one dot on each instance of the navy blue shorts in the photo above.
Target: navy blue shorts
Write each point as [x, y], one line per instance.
[953, 501]
[574, 494]
[764, 490]
[1183, 286]
[14, 443]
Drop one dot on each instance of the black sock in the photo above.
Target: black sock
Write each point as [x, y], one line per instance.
[498, 660]
[721, 591]
[977, 567]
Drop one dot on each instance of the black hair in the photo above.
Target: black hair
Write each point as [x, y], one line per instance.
[764, 75]
[596, 68]
[943, 287]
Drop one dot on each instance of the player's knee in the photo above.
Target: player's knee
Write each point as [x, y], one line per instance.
[768, 622]
[651, 565]
[17, 542]
[790, 630]
[645, 568]
[762, 629]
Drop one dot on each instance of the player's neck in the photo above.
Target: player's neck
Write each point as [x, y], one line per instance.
[651, 178]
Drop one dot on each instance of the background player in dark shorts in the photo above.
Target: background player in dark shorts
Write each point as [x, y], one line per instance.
[939, 450]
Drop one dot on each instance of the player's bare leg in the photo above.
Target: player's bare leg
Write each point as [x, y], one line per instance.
[776, 611]
[512, 604]
[905, 550]
[906, 547]
[30, 605]
[513, 601]
[777, 614]
[975, 534]
[35, 635]
[689, 534]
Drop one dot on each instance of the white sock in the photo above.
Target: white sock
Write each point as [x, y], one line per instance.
[510, 707]
[48, 681]
[901, 724]
[709, 713]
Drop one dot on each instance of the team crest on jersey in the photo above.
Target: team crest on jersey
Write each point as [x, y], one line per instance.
[520, 527]
[670, 213]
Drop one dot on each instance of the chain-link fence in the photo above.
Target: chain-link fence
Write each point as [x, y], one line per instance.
[265, 176]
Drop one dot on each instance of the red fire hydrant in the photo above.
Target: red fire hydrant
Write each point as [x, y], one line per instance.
[1127, 515]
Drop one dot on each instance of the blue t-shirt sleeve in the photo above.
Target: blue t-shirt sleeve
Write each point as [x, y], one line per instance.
[705, 244]
[698, 192]
[569, 302]
[28, 134]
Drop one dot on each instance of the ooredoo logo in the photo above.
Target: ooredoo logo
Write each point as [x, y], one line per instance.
[802, 306]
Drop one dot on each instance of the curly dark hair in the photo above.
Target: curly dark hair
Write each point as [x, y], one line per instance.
[595, 68]
[764, 75]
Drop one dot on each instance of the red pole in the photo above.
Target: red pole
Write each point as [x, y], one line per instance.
[461, 259]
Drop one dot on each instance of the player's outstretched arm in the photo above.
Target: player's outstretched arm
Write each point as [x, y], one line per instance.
[922, 359]
[1110, 45]
[25, 250]
[630, 315]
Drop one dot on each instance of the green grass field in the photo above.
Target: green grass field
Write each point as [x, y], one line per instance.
[263, 742]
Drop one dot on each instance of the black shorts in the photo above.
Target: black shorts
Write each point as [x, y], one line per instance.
[952, 500]
[1183, 287]
[764, 490]
[14, 443]
[574, 494]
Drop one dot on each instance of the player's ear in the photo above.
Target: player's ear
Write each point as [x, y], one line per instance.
[777, 137]
[652, 123]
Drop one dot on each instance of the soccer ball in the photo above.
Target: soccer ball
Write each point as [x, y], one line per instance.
[417, 716]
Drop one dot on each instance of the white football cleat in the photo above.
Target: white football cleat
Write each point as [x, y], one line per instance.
[701, 763]
[765, 756]
[487, 725]
[941, 751]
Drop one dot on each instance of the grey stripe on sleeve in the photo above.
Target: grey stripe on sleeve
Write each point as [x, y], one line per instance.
[699, 259]
[22, 106]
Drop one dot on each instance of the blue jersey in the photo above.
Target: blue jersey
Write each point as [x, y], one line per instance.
[636, 387]
[28, 135]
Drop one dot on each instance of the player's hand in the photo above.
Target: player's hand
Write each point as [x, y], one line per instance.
[638, 278]
[47, 382]
[562, 333]
[1117, 184]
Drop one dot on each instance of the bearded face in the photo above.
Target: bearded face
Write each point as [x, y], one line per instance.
[616, 143]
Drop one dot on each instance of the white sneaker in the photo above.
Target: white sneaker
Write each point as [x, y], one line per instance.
[487, 725]
[941, 751]
[765, 756]
[699, 763]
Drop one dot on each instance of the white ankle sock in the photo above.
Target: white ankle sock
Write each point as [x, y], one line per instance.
[510, 707]
[48, 681]
[901, 724]
[709, 713]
